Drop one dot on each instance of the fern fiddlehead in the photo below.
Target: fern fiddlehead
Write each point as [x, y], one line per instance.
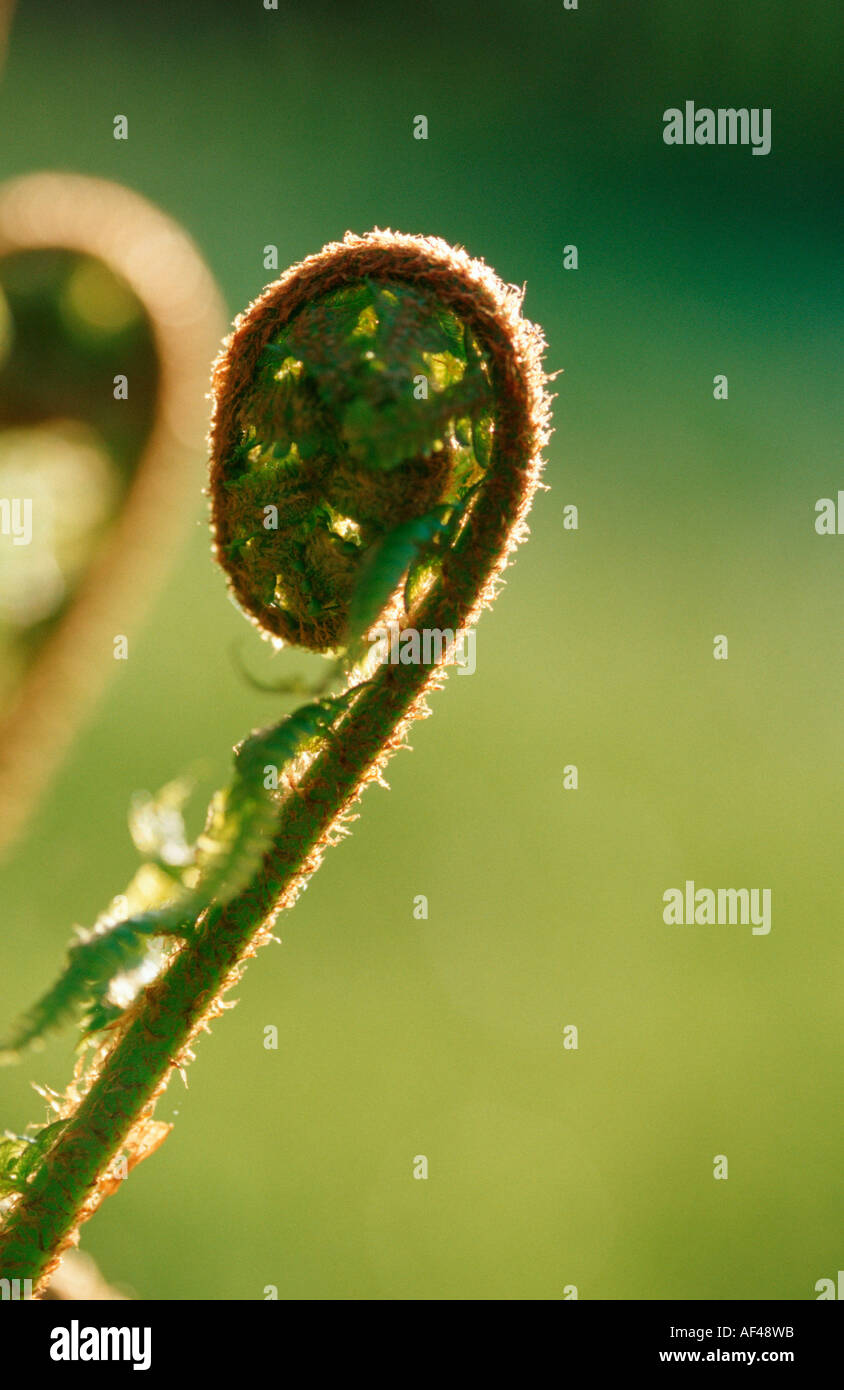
[142, 465]
[378, 421]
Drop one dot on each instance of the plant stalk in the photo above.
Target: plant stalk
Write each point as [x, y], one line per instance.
[155, 1035]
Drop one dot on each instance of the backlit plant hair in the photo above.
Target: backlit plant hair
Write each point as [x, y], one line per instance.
[387, 500]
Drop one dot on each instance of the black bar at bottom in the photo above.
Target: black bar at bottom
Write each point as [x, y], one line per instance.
[199, 1339]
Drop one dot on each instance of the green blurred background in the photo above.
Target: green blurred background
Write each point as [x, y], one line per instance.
[443, 1037]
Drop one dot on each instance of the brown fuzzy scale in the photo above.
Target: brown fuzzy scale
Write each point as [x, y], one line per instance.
[156, 1034]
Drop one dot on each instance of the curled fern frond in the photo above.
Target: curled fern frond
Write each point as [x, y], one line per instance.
[380, 498]
[369, 408]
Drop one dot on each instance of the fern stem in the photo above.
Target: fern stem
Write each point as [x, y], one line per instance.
[156, 1034]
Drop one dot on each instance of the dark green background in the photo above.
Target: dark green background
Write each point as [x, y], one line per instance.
[396, 1037]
